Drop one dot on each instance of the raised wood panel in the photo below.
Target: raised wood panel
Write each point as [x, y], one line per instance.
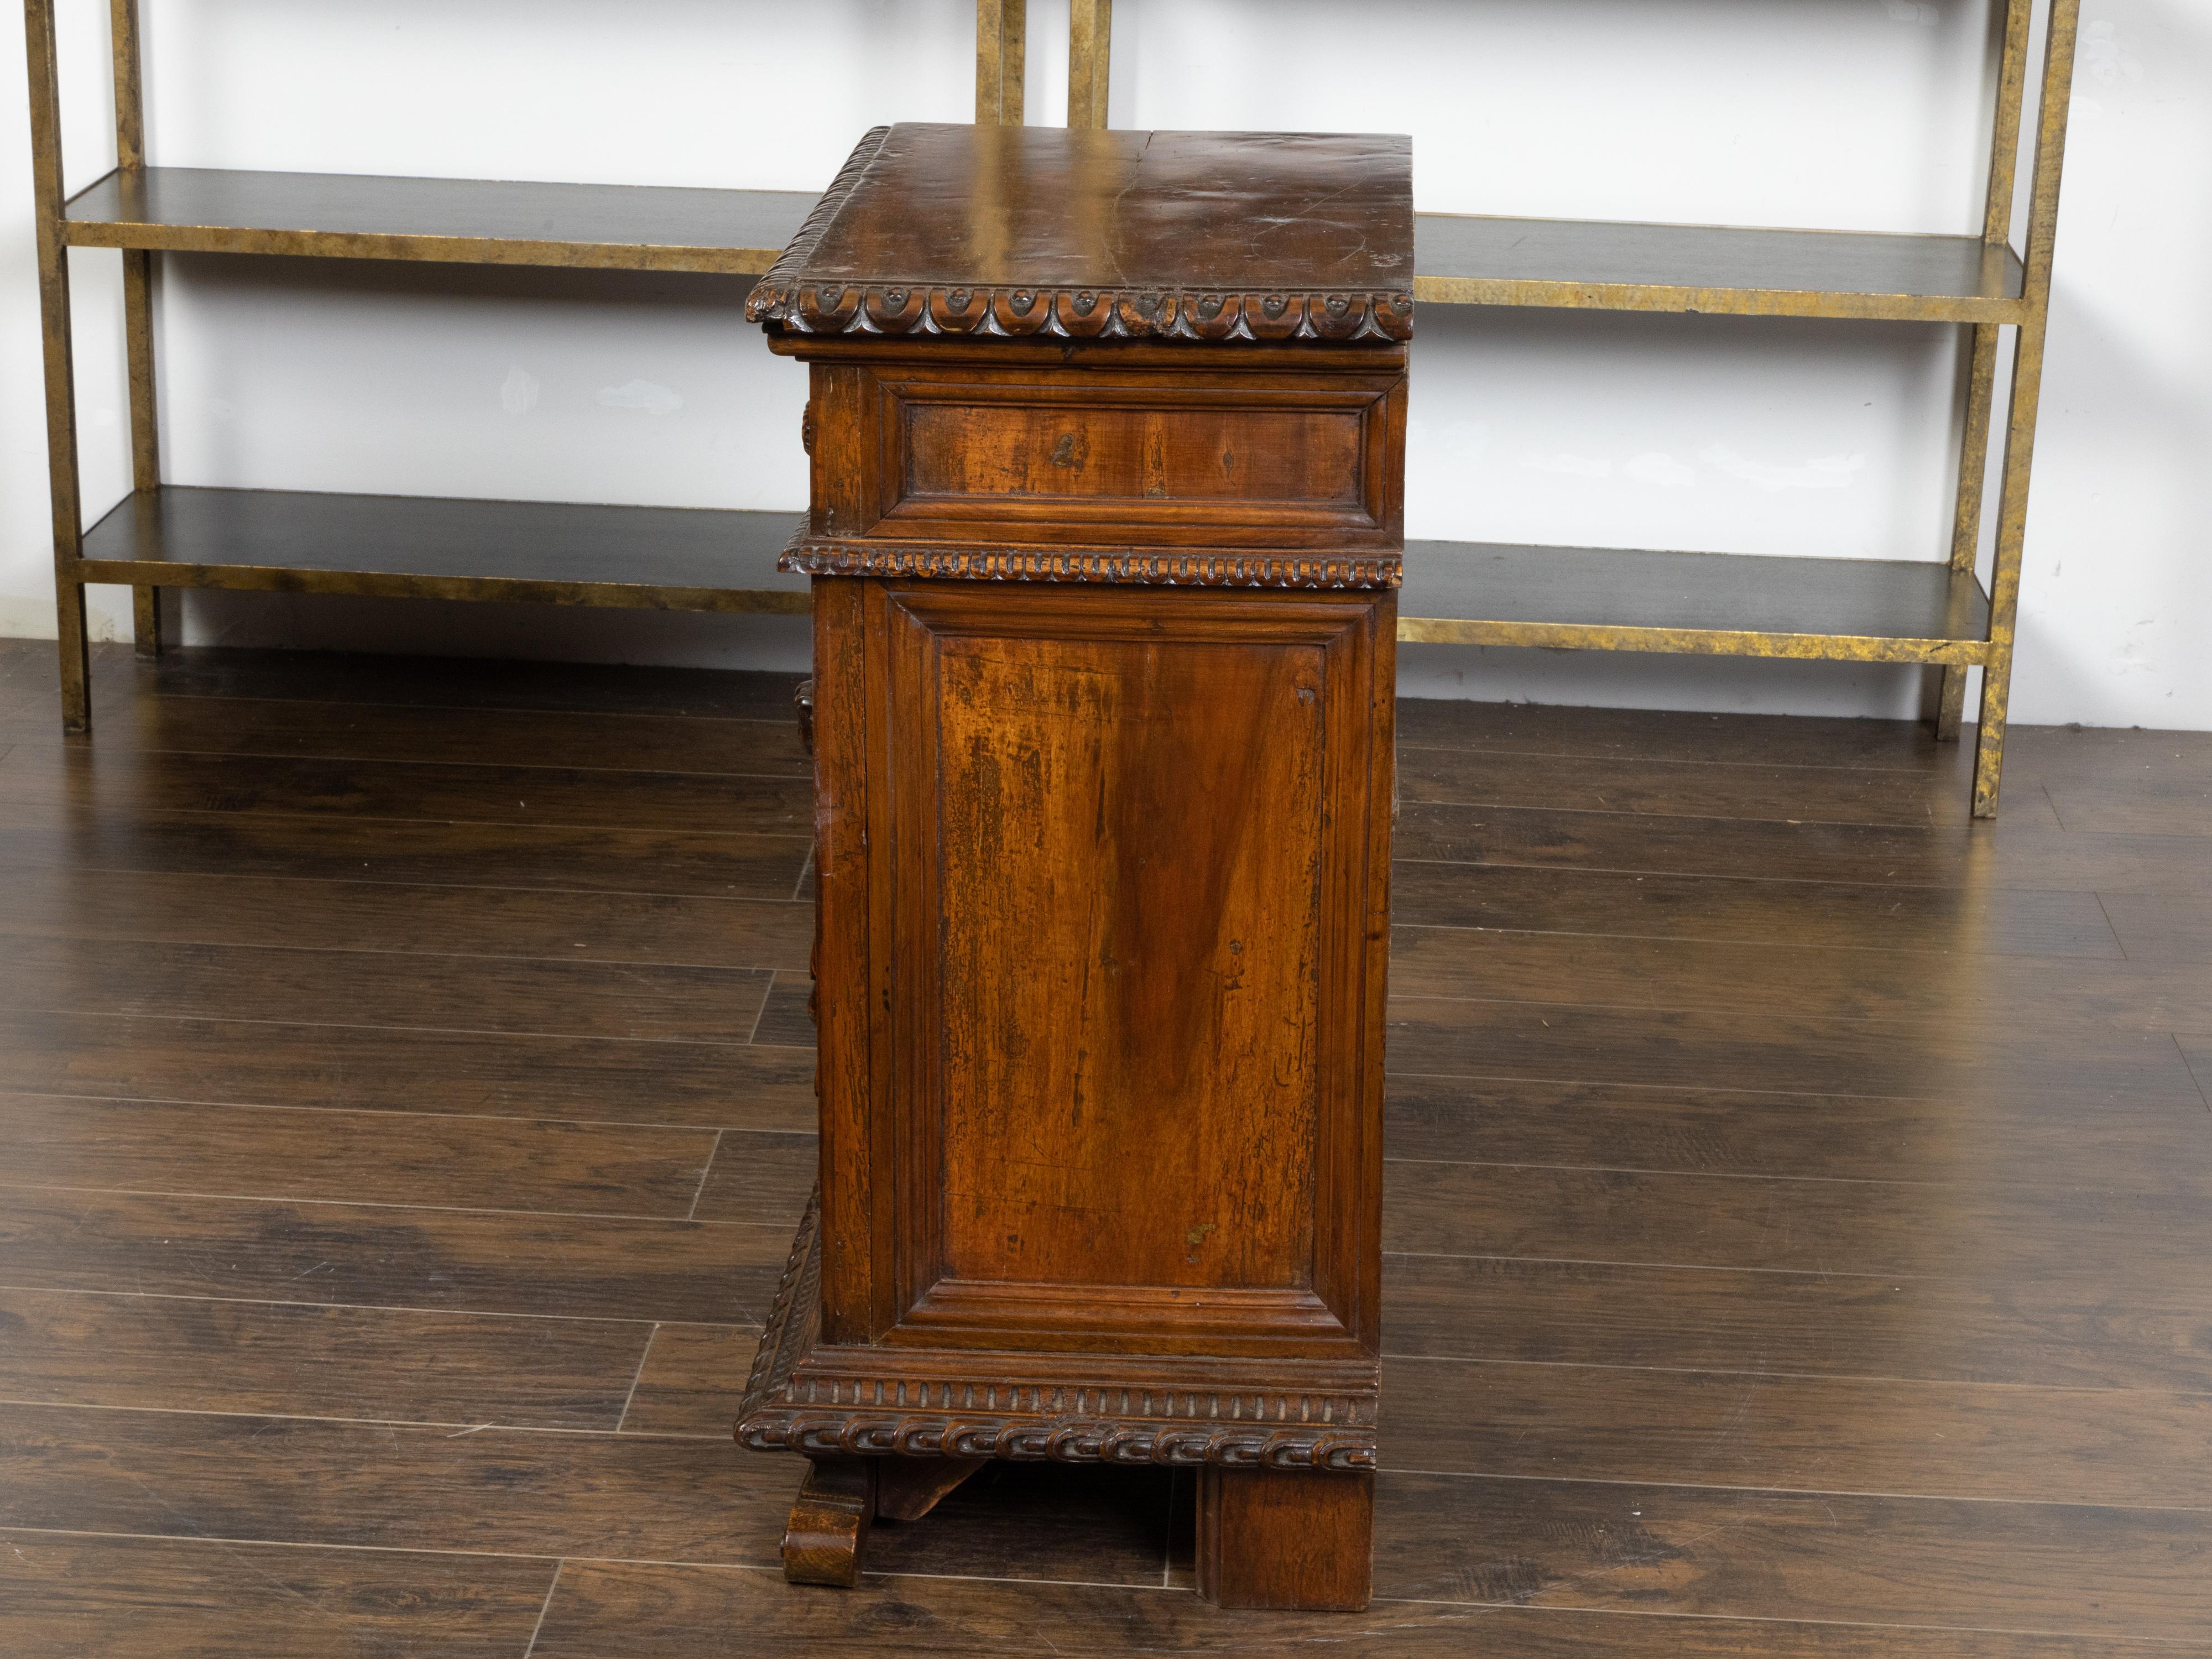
[1046, 460]
[1163, 945]
[1106, 814]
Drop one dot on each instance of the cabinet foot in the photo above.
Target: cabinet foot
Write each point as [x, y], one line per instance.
[828, 1522]
[1286, 1539]
[907, 1488]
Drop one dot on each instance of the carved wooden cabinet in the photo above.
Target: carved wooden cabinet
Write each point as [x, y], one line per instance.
[1107, 433]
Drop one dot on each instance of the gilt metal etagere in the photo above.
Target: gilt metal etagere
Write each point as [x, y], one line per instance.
[1907, 610]
[167, 536]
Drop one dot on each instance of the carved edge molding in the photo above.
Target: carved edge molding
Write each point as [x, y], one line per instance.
[1064, 1439]
[843, 1413]
[792, 1318]
[784, 295]
[812, 555]
[777, 283]
[1078, 313]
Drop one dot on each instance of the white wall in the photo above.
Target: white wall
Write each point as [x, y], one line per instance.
[1730, 434]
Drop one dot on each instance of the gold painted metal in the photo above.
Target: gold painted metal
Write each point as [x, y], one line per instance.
[1998, 292]
[1982, 367]
[2026, 390]
[2005, 292]
[1688, 642]
[612, 594]
[1988, 297]
[115, 211]
[1090, 55]
[138, 305]
[368, 218]
[60, 372]
[1001, 38]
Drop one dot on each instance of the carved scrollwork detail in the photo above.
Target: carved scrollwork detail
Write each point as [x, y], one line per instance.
[1081, 313]
[1163, 568]
[799, 1404]
[1028, 1440]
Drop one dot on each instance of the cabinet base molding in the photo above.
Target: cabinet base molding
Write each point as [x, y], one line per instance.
[829, 1401]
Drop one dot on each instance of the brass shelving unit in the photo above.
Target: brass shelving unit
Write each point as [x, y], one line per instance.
[1923, 611]
[167, 536]
[1915, 611]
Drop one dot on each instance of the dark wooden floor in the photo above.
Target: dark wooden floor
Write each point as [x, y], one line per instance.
[1801, 1202]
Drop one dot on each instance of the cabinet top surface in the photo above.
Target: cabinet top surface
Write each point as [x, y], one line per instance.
[1021, 230]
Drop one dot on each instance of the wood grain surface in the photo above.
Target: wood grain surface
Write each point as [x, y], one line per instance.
[1796, 1196]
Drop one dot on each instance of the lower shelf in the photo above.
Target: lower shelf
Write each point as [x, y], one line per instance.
[1741, 604]
[429, 547]
[695, 559]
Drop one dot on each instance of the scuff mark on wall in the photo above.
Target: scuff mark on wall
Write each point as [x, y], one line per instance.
[648, 395]
[1821, 472]
[1664, 471]
[2104, 59]
[1573, 466]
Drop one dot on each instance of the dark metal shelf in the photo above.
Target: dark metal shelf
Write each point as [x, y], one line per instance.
[430, 547]
[698, 559]
[1712, 603]
[1460, 259]
[1464, 259]
[473, 221]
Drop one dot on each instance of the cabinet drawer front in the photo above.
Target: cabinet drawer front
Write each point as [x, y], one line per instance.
[1069, 458]
[1233, 460]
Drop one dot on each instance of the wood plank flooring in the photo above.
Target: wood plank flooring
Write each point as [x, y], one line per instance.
[1798, 1205]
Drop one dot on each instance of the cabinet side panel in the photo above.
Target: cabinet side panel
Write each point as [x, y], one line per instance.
[844, 1061]
[1130, 842]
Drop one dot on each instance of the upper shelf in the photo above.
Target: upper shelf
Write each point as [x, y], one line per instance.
[472, 220]
[1597, 264]
[1459, 259]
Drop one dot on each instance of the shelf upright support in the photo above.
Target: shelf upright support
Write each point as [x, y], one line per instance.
[1090, 55]
[1981, 371]
[60, 368]
[138, 305]
[2026, 392]
[1001, 35]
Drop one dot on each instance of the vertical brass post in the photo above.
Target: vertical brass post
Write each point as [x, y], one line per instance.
[1981, 373]
[2026, 390]
[1001, 35]
[1089, 56]
[137, 304]
[60, 370]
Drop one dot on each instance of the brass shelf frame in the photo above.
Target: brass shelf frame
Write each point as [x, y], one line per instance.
[1490, 595]
[1891, 610]
[166, 536]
